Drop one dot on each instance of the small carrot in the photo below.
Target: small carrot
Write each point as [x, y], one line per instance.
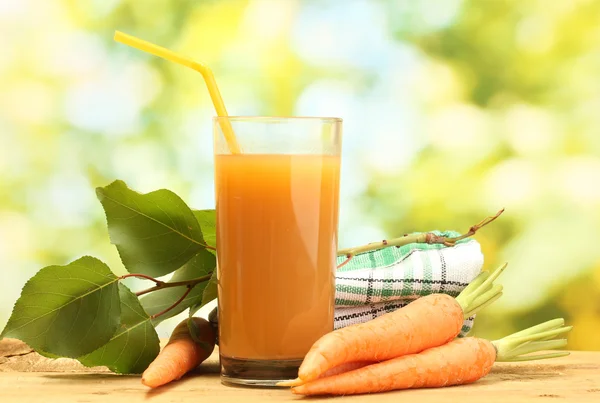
[461, 361]
[182, 353]
[427, 322]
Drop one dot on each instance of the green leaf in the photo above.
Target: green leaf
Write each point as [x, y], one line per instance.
[209, 294]
[200, 265]
[67, 310]
[196, 334]
[135, 344]
[208, 224]
[155, 233]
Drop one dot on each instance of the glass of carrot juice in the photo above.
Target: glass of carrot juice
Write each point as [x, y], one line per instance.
[277, 221]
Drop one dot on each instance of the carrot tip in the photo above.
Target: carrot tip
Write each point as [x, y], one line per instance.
[146, 383]
[292, 383]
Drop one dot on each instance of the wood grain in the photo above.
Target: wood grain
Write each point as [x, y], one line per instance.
[16, 356]
[571, 379]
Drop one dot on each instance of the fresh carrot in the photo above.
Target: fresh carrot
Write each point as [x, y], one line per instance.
[182, 353]
[461, 361]
[427, 322]
[346, 367]
[340, 369]
[449, 364]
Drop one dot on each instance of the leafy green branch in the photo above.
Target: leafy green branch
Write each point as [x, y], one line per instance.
[82, 310]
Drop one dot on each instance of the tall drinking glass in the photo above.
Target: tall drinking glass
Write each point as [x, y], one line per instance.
[277, 221]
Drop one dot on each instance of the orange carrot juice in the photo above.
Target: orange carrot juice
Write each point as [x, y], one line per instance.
[277, 218]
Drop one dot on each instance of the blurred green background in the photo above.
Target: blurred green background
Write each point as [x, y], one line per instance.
[452, 109]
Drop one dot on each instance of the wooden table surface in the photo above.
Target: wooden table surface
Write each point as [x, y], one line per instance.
[27, 377]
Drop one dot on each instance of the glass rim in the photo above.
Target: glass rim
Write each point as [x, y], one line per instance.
[324, 119]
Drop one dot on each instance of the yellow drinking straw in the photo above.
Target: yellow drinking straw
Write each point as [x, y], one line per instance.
[206, 72]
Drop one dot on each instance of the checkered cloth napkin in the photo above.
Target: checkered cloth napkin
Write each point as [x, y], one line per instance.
[381, 281]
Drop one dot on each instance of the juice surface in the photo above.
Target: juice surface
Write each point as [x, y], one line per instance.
[277, 218]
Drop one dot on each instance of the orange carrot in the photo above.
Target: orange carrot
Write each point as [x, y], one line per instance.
[346, 367]
[427, 322]
[450, 364]
[340, 369]
[460, 361]
[181, 354]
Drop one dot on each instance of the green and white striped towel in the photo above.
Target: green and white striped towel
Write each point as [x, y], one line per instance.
[386, 279]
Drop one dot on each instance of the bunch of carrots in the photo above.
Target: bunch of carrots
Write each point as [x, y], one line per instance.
[412, 347]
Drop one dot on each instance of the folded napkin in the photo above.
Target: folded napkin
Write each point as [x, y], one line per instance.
[386, 279]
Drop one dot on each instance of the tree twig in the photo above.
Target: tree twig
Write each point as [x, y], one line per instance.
[185, 294]
[428, 238]
[345, 262]
[189, 284]
[140, 275]
[161, 284]
[472, 230]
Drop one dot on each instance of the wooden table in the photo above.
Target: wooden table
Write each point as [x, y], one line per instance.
[27, 377]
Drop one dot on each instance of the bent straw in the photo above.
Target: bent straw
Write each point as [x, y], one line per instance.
[206, 72]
